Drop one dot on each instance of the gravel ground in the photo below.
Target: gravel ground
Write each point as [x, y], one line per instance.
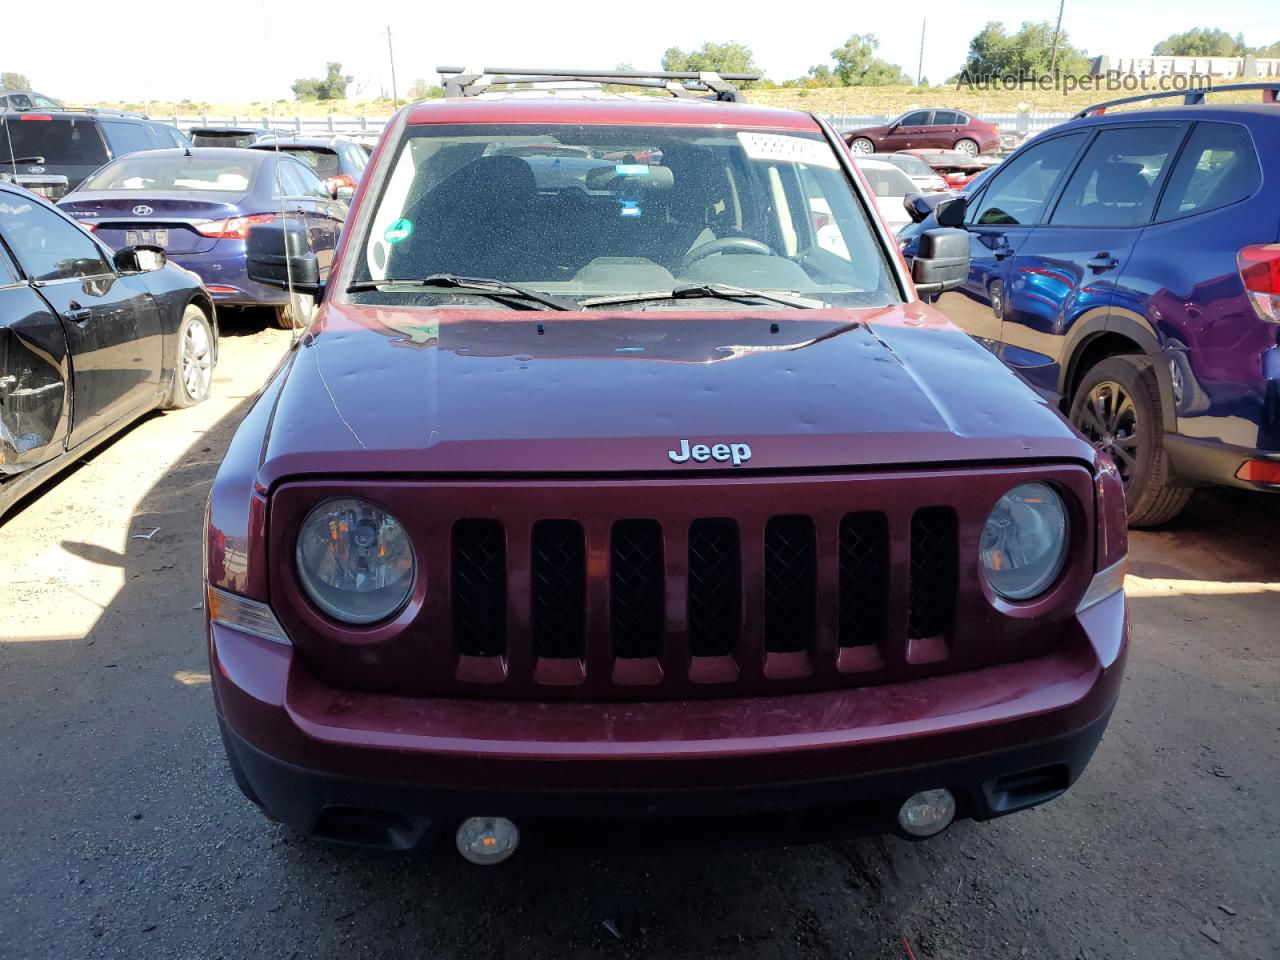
[121, 834]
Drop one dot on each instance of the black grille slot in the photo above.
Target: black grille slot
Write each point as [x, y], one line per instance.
[933, 572]
[559, 588]
[790, 582]
[479, 587]
[715, 587]
[864, 578]
[636, 588]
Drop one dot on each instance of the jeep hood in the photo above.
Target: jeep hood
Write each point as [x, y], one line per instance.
[462, 391]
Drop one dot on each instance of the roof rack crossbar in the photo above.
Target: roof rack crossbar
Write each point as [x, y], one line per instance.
[1191, 97]
[459, 82]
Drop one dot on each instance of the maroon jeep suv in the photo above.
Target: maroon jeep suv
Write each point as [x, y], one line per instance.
[632, 484]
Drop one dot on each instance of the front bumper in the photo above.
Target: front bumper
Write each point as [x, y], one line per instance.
[398, 771]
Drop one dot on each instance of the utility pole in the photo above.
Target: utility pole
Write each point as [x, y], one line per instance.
[920, 64]
[391, 55]
[1057, 33]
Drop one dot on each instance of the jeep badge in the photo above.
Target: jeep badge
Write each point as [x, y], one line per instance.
[738, 453]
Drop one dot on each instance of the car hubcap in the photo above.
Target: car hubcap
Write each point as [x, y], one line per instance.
[1109, 419]
[967, 147]
[197, 360]
[861, 146]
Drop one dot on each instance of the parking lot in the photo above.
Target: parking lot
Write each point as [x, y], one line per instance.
[123, 835]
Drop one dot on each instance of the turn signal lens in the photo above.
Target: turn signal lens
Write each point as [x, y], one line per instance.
[247, 616]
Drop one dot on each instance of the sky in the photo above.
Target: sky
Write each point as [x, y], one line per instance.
[249, 50]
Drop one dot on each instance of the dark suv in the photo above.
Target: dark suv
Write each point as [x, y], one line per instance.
[51, 152]
[646, 489]
[1128, 266]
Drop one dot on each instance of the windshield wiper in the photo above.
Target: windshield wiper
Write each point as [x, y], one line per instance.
[25, 160]
[484, 286]
[697, 291]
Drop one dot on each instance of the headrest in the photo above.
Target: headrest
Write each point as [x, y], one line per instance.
[1121, 182]
[488, 181]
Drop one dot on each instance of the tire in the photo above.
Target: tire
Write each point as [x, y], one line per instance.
[968, 147]
[193, 365]
[1117, 406]
[287, 317]
[861, 146]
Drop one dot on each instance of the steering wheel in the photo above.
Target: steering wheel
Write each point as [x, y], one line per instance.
[725, 245]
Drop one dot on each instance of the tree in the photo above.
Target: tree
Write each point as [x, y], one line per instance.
[720, 57]
[1201, 42]
[14, 81]
[858, 66]
[332, 87]
[996, 53]
[425, 90]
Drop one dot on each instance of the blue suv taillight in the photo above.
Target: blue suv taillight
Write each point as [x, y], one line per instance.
[1260, 270]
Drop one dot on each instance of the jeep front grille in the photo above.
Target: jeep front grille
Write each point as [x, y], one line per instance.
[667, 589]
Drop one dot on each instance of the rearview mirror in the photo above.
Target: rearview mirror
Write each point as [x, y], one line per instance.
[950, 212]
[941, 261]
[278, 252]
[140, 258]
[918, 208]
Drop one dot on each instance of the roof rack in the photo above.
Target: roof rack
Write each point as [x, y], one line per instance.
[1270, 94]
[91, 111]
[461, 82]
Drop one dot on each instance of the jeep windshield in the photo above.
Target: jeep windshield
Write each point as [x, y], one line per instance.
[590, 212]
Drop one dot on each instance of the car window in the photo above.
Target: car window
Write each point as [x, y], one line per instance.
[1217, 167]
[20, 101]
[912, 166]
[170, 135]
[357, 159]
[1021, 187]
[57, 140]
[322, 160]
[44, 103]
[918, 119]
[1117, 182]
[150, 171]
[308, 182]
[887, 181]
[126, 137]
[286, 180]
[617, 209]
[7, 274]
[945, 118]
[47, 246]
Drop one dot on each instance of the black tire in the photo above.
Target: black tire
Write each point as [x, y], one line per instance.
[862, 147]
[1117, 406]
[193, 361]
[287, 317]
[967, 146]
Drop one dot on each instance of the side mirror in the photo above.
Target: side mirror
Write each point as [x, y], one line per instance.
[279, 250]
[344, 194]
[918, 208]
[950, 212]
[141, 258]
[941, 261]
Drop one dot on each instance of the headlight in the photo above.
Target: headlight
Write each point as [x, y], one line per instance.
[1024, 541]
[354, 560]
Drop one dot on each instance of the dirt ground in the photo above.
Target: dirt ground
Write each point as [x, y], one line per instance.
[121, 834]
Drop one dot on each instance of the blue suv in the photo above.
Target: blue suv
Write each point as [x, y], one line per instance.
[1128, 267]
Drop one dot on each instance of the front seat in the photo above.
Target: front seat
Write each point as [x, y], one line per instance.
[478, 221]
[1122, 195]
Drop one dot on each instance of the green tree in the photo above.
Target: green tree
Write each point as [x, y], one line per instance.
[332, 87]
[858, 66]
[425, 90]
[996, 53]
[14, 81]
[720, 57]
[1271, 51]
[1201, 42]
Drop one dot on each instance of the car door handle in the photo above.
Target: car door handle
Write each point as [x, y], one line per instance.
[78, 315]
[1102, 263]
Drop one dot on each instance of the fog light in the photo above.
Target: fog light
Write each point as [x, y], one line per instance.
[487, 840]
[927, 812]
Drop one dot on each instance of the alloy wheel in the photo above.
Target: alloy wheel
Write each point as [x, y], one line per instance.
[197, 360]
[1109, 418]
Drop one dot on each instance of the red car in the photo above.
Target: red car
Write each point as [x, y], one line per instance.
[935, 129]
[654, 499]
[956, 168]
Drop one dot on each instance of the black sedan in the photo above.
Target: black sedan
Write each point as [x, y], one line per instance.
[90, 339]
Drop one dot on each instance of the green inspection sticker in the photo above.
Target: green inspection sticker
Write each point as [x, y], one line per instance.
[398, 231]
